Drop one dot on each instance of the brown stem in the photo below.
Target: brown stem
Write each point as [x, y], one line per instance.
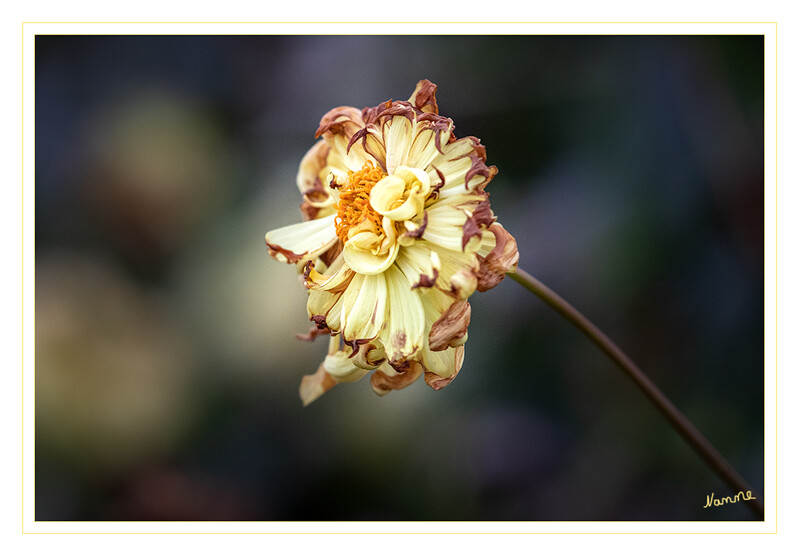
[681, 423]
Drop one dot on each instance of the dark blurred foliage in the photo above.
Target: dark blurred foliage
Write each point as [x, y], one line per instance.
[630, 171]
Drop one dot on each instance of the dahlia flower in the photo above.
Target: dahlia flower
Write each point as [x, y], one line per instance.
[398, 232]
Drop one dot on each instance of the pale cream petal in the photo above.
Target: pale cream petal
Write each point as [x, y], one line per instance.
[420, 264]
[398, 133]
[443, 366]
[458, 272]
[386, 192]
[423, 150]
[364, 261]
[401, 196]
[445, 228]
[364, 319]
[463, 167]
[304, 241]
[336, 316]
[341, 368]
[403, 335]
[320, 302]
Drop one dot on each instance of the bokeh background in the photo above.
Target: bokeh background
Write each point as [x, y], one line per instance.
[630, 172]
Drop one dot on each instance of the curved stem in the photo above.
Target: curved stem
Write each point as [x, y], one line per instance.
[681, 423]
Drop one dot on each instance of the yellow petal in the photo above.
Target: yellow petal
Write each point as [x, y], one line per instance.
[365, 318]
[364, 261]
[341, 368]
[403, 334]
[398, 137]
[443, 366]
[386, 192]
[445, 228]
[420, 264]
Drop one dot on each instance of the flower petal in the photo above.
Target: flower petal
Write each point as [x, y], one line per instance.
[503, 258]
[334, 279]
[366, 316]
[341, 368]
[458, 272]
[420, 264]
[387, 378]
[403, 334]
[462, 163]
[424, 96]
[445, 227]
[364, 261]
[447, 365]
[398, 133]
[313, 386]
[450, 330]
[309, 181]
[303, 241]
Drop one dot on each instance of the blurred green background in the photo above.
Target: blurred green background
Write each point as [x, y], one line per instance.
[630, 172]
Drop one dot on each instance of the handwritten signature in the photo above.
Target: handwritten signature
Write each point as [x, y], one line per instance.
[713, 501]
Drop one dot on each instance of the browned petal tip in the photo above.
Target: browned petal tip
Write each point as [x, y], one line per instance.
[313, 386]
[382, 383]
[502, 259]
[424, 96]
[276, 251]
[437, 382]
[451, 328]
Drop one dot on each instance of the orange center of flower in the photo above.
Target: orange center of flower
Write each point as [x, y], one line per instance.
[353, 208]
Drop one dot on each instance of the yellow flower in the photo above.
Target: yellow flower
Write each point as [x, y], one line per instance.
[398, 233]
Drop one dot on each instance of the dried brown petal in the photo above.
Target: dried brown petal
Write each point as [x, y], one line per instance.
[424, 96]
[313, 386]
[502, 259]
[384, 382]
[451, 328]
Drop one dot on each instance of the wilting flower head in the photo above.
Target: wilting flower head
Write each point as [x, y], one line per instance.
[398, 233]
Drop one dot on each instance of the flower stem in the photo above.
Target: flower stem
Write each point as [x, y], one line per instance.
[681, 423]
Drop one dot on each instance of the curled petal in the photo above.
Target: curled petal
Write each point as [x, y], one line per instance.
[463, 163]
[311, 178]
[401, 196]
[424, 97]
[442, 367]
[451, 329]
[344, 120]
[365, 261]
[503, 258]
[370, 356]
[387, 379]
[341, 368]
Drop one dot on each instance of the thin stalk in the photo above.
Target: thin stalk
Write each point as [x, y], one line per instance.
[681, 423]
